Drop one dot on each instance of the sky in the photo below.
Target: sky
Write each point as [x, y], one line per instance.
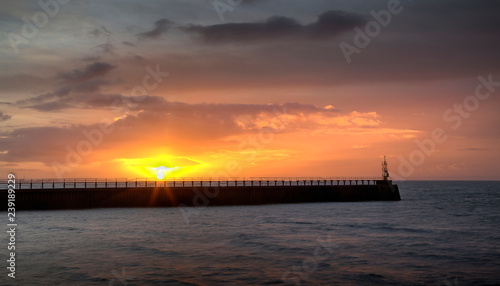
[252, 88]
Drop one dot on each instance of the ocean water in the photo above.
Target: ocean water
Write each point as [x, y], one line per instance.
[441, 233]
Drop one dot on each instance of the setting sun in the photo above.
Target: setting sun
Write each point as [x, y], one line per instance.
[158, 167]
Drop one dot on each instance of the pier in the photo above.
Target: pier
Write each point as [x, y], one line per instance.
[81, 193]
[93, 183]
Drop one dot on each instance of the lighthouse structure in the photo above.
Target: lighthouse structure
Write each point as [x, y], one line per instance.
[385, 171]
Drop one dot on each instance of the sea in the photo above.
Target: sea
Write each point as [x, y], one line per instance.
[440, 233]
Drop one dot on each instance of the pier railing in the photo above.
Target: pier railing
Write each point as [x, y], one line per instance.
[94, 183]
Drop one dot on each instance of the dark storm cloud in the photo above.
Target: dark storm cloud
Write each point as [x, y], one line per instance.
[328, 25]
[93, 70]
[161, 26]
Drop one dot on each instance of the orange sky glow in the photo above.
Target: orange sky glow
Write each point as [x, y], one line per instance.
[96, 95]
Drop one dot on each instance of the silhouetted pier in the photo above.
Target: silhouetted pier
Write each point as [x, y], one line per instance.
[77, 193]
[89, 183]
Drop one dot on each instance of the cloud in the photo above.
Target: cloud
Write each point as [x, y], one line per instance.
[50, 106]
[159, 122]
[453, 166]
[249, 2]
[4, 117]
[79, 89]
[139, 58]
[91, 58]
[21, 82]
[360, 146]
[51, 102]
[179, 129]
[106, 48]
[332, 23]
[474, 149]
[129, 44]
[79, 95]
[161, 26]
[100, 32]
[460, 17]
[96, 69]
[328, 25]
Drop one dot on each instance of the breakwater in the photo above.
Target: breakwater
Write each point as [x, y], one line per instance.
[104, 193]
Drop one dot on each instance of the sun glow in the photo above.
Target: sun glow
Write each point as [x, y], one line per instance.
[159, 167]
[163, 171]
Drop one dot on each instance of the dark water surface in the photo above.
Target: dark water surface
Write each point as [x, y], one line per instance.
[441, 233]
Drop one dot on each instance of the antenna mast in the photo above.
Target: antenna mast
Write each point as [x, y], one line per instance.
[385, 172]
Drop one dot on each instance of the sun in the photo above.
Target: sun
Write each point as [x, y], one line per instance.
[160, 175]
[160, 171]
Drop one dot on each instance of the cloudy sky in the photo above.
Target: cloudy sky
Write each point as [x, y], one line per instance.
[250, 88]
